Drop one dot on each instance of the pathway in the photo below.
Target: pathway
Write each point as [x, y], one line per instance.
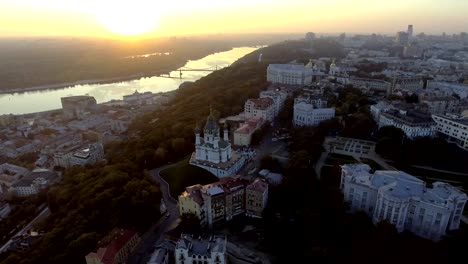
[155, 235]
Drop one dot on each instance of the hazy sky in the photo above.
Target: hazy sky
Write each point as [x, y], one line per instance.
[88, 17]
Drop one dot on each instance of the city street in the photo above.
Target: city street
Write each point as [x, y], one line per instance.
[155, 235]
[43, 214]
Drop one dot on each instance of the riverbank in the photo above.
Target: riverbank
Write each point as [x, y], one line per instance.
[94, 81]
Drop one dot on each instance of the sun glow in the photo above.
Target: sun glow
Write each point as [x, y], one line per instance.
[128, 17]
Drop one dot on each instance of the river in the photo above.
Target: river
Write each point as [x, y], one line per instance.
[43, 100]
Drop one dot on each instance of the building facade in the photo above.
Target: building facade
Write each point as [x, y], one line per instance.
[114, 248]
[454, 128]
[292, 74]
[412, 123]
[311, 111]
[409, 83]
[206, 250]
[278, 97]
[243, 135]
[222, 201]
[403, 200]
[256, 198]
[75, 107]
[370, 85]
[33, 183]
[261, 108]
[444, 104]
[214, 153]
[76, 155]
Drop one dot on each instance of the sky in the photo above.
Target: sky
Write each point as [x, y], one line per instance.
[112, 18]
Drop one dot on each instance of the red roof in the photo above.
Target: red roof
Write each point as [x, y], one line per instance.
[262, 103]
[258, 185]
[117, 240]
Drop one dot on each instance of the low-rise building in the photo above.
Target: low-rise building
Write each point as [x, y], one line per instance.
[409, 83]
[278, 97]
[454, 128]
[442, 105]
[222, 201]
[77, 106]
[114, 248]
[209, 250]
[449, 88]
[76, 155]
[191, 202]
[33, 183]
[10, 174]
[163, 253]
[292, 74]
[310, 111]
[243, 135]
[261, 108]
[89, 155]
[370, 84]
[380, 107]
[403, 200]
[256, 198]
[412, 123]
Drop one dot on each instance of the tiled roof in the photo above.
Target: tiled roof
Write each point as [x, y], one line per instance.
[118, 239]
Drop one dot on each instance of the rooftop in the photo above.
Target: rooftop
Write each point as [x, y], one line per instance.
[36, 174]
[258, 185]
[399, 184]
[289, 67]
[262, 103]
[202, 246]
[454, 118]
[112, 244]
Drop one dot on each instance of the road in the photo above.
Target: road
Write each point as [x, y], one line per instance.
[44, 213]
[155, 235]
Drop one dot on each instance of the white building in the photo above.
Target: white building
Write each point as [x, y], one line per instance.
[214, 153]
[403, 200]
[370, 84]
[449, 88]
[454, 128]
[89, 155]
[278, 97]
[380, 107]
[206, 250]
[10, 174]
[73, 155]
[311, 111]
[33, 183]
[412, 123]
[293, 74]
[261, 108]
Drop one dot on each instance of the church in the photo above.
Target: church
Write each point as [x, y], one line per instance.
[214, 153]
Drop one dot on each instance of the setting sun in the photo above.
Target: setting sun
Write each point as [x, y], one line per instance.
[128, 17]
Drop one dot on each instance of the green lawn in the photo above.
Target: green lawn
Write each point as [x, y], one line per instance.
[374, 165]
[183, 175]
[334, 159]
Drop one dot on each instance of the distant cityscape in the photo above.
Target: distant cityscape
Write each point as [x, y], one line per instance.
[413, 83]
